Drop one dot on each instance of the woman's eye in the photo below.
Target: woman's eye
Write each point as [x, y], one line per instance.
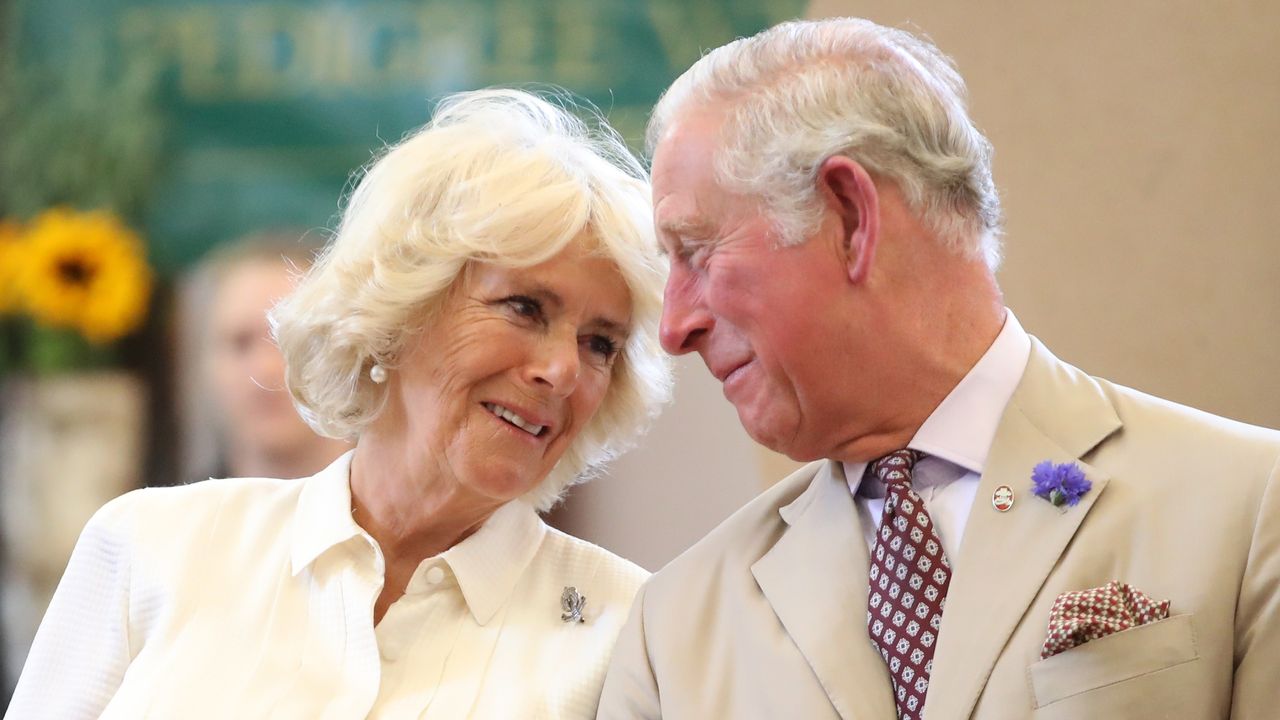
[603, 346]
[524, 306]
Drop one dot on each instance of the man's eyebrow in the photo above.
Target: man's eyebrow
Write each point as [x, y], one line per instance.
[693, 227]
[684, 232]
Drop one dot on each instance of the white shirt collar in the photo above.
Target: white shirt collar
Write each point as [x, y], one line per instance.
[324, 513]
[487, 564]
[963, 426]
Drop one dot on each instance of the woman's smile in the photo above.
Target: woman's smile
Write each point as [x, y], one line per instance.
[516, 419]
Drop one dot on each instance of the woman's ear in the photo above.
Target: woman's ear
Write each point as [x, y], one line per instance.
[850, 193]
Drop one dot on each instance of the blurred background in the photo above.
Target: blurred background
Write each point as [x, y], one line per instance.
[164, 163]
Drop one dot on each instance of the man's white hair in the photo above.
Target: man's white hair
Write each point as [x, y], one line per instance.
[497, 176]
[804, 91]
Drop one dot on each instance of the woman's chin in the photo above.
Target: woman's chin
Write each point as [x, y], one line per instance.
[502, 484]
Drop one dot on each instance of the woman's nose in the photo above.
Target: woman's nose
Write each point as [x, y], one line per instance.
[556, 365]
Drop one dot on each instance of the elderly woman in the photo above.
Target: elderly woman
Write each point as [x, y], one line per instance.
[484, 327]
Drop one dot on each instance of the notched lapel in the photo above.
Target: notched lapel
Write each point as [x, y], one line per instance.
[814, 577]
[1057, 414]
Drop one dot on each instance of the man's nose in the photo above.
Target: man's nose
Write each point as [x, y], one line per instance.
[685, 321]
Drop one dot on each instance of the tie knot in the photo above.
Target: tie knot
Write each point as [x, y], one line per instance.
[895, 468]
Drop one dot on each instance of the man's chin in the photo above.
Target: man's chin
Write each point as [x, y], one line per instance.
[782, 437]
[777, 434]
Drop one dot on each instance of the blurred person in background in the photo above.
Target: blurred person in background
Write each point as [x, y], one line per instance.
[484, 328]
[242, 422]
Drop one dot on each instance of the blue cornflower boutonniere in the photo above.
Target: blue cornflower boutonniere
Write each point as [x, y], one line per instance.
[1062, 484]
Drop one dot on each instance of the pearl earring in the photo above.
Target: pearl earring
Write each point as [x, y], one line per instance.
[378, 374]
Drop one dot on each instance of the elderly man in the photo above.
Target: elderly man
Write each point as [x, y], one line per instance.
[987, 531]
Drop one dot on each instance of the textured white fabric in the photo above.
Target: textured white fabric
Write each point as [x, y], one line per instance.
[253, 598]
[955, 439]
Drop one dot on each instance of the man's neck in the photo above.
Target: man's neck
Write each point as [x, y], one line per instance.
[934, 345]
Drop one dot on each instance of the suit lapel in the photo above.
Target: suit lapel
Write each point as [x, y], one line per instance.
[1059, 414]
[814, 577]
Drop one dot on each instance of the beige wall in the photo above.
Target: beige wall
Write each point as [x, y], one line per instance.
[1137, 154]
[1136, 151]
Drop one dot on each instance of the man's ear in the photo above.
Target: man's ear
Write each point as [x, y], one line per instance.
[850, 193]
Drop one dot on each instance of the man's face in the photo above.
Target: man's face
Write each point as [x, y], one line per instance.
[758, 314]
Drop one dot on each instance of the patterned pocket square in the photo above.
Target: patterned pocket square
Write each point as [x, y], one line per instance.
[1084, 615]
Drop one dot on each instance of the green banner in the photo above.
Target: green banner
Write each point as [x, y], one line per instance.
[260, 111]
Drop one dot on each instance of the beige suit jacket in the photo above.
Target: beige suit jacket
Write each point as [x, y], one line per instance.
[766, 616]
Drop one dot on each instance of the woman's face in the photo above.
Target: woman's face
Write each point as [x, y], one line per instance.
[511, 369]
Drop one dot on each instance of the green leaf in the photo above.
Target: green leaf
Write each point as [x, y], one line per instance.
[57, 350]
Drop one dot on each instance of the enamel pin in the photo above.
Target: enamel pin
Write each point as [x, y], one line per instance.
[1002, 498]
[571, 604]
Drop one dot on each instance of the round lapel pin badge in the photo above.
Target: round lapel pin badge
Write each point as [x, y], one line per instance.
[1002, 498]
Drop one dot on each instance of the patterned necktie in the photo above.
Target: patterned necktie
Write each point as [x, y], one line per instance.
[908, 585]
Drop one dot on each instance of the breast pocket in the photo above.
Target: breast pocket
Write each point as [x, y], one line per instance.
[1114, 659]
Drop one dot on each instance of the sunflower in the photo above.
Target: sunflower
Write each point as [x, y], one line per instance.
[9, 250]
[84, 271]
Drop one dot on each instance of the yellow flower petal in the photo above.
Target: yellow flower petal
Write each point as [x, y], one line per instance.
[84, 271]
[9, 257]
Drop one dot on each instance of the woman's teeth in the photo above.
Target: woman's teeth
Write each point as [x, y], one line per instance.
[514, 419]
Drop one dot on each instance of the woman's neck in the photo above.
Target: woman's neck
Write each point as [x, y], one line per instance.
[410, 505]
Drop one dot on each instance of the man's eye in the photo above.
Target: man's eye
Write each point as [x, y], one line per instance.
[697, 256]
[603, 346]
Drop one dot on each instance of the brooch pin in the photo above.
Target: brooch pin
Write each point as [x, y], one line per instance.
[571, 604]
[1062, 484]
[1002, 498]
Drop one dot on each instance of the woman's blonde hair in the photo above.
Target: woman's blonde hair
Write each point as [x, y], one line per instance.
[500, 176]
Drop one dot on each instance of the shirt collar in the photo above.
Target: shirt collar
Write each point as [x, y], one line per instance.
[487, 564]
[963, 426]
[324, 513]
[490, 562]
